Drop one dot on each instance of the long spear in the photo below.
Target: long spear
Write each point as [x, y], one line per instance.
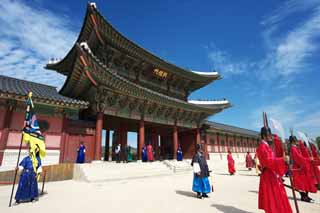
[290, 174]
[16, 169]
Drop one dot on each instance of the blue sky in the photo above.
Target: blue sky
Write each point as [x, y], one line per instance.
[267, 53]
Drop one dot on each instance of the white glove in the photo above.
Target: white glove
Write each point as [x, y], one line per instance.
[39, 170]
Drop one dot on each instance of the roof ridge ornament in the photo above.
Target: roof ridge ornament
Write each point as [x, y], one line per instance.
[93, 4]
[85, 46]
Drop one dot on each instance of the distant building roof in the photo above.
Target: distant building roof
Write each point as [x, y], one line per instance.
[16, 88]
[232, 129]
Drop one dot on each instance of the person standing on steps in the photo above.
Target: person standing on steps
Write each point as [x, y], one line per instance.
[81, 153]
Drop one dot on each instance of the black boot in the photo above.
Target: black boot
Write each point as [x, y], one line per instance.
[199, 195]
[304, 197]
[204, 195]
[309, 198]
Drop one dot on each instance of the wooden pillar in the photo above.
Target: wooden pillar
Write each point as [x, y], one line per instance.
[64, 138]
[141, 138]
[235, 143]
[218, 142]
[206, 143]
[175, 141]
[227, 142]
[155, 142]
[198, 136]
[124, 136]
[5, 130]
[99, 125]
[106, 147]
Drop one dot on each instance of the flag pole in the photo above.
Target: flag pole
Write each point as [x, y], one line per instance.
[15, 173]
[16, 169]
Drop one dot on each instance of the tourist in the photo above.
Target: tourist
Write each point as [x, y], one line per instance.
[249, 161]
[124, 154]
[129, 156]
[118, 153]
[81, 153]
[302, 179]
[150, 152]
[272, 195]
[201, 183]
[231, 168]
[179, 154]
[144, 154]
[28, 185]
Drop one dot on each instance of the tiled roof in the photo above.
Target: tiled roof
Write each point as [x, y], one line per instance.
[233, 129]
[40, 92]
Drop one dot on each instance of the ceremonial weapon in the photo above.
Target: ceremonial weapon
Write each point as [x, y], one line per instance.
[43, 181]
[290, 173]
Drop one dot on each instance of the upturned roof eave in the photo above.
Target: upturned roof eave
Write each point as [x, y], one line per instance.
[209, 110]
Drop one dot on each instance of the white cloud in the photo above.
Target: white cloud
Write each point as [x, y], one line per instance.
[288, 52]
[291, 112]
[287, 9]
[29, 37]
[222, 62]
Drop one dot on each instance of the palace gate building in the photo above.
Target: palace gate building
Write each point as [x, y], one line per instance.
[113, 84]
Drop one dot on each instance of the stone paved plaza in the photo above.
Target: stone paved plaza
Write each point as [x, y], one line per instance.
[169, 193]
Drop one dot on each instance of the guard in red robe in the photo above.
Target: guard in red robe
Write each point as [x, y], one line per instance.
[316, 161]
[301, 175]
[310, 163]
[249, 161]
[150, 152]
[272, 195]
[231, 168]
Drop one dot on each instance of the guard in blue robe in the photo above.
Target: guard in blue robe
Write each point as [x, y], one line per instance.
[144, 154]
[28, 185]
[81, 153]
[179, 154]
[201, 183]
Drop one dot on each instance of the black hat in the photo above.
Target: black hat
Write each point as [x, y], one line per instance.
[265, 130]
[199, 146]
[293, 139]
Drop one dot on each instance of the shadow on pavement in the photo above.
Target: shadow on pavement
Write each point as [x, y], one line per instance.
[289, 197]
[248, 175]
[186, 193]
[227, 174]
[228, 209]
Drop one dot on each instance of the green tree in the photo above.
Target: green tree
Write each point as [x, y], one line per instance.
[318, 141]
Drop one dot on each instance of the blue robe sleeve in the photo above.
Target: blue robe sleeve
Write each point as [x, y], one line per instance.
[23, 163]
[39, 162]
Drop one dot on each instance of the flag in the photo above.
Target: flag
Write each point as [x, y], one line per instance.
[276, 125]
[304, 137]
[31, 133]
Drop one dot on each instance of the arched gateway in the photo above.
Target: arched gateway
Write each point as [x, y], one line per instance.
[130, 89]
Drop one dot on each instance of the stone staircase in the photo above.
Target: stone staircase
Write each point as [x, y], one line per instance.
[179, 166]
[110, 171]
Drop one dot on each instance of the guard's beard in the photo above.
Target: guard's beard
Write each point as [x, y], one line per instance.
[270, 142]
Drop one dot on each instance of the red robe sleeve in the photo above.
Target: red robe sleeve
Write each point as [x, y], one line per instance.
[314, 152]
[304, 150]
[276, 164]
[297, 157]
[278, 147]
